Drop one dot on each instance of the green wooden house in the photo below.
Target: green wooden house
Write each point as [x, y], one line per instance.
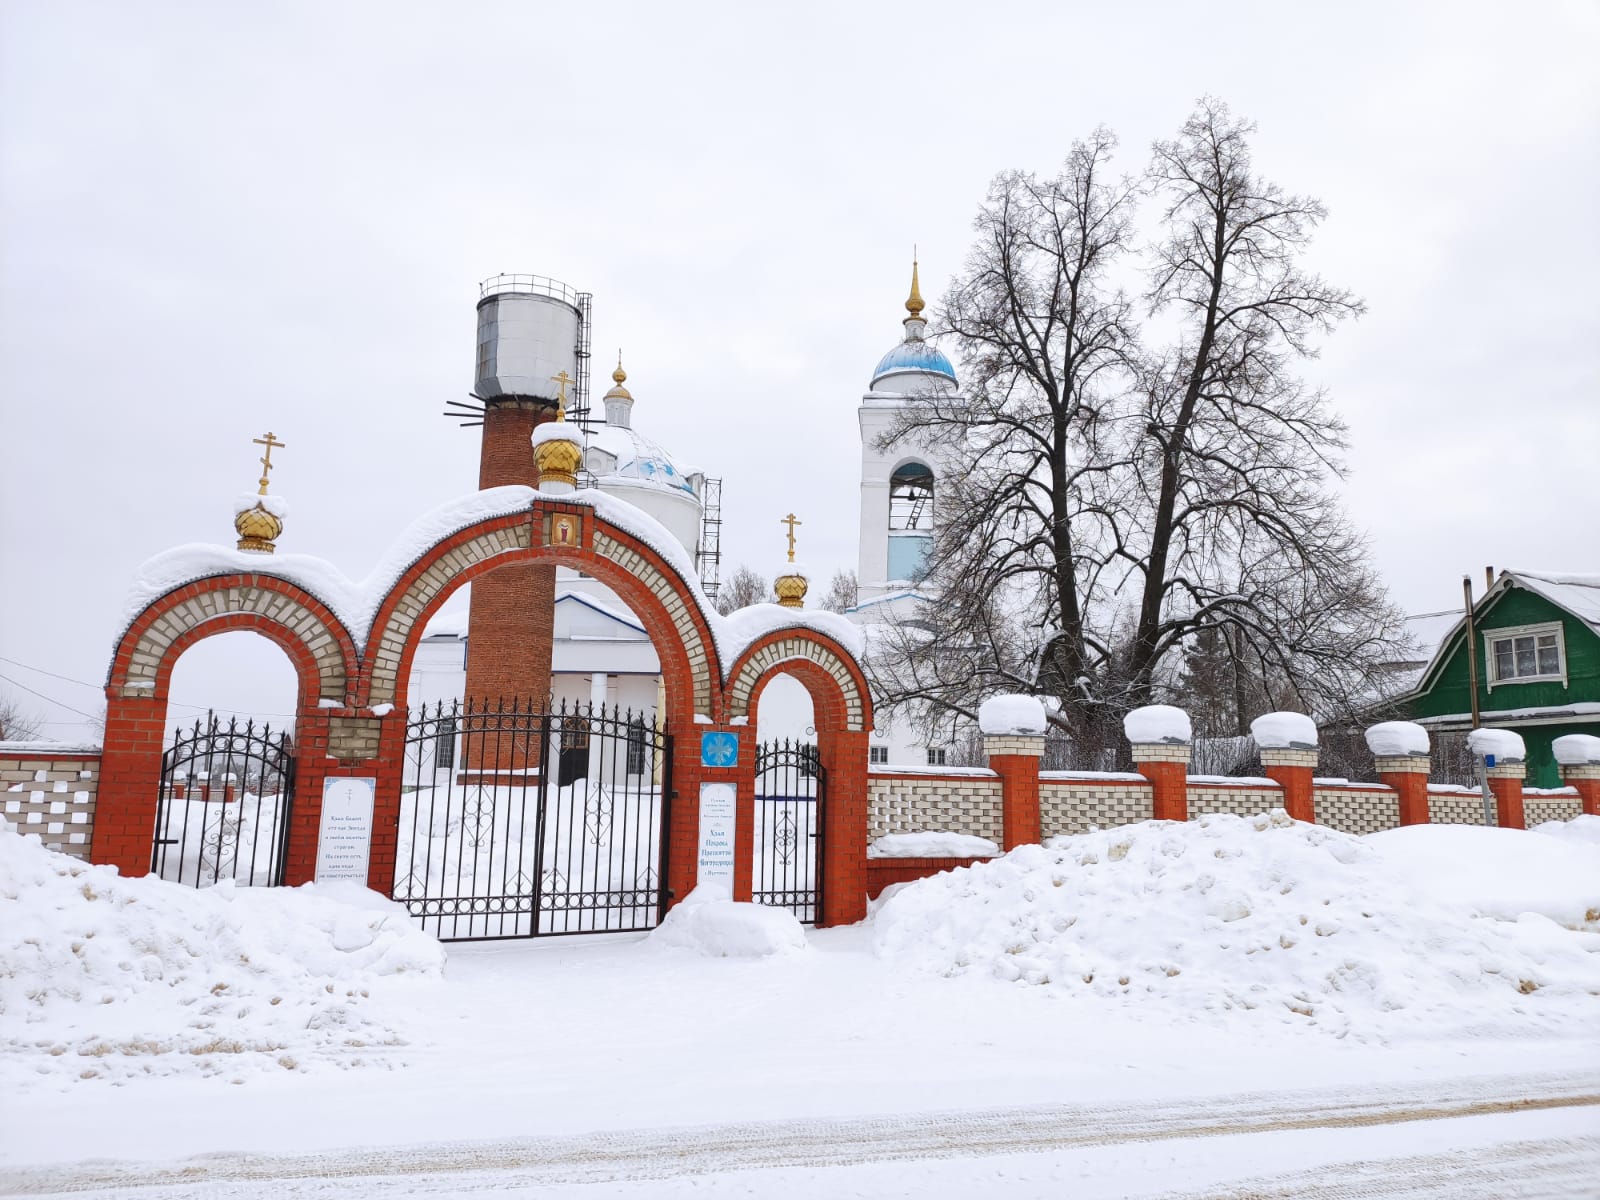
[1538, 643]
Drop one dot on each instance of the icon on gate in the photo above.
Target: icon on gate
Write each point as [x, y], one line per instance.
[719, 749]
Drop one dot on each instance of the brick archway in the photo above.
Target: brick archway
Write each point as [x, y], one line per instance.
[317, 643]
[842, 707]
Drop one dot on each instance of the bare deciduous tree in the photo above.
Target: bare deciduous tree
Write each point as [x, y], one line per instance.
[1120, 500]
[742, 590]
[17, 724]
[841, 593]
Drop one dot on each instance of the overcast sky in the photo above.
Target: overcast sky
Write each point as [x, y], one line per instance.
[224, 218]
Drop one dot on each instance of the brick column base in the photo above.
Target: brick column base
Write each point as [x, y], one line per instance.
[1585, 777]
[1505, 781]
[1015, 759]
[1292, 770]
[1408, 776]
[1166, 766]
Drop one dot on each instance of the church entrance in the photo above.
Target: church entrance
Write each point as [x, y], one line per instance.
[791, 787]
[491, 847]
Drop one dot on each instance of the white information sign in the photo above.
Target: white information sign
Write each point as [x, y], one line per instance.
[717, 807]
[344, 843]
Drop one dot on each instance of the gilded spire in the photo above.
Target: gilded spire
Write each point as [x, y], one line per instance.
[914, 302]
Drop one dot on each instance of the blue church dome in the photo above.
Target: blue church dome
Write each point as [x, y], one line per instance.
[914, 355]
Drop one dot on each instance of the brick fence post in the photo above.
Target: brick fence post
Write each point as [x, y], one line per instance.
[1015, 758]
[130, 778]
[1579, 756]
[1288, 742]
[1400, 754]
[1166, 766]
[1510, 756]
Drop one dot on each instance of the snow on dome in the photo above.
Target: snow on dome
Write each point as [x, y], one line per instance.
[276, 505]
[638, 459]
[1577, 749]
[792, 568]
[1157, 723]
[1011, 714]
[1502, 743]
[913, 357]
[557, 431]
[1284, 731]
[1397, 739]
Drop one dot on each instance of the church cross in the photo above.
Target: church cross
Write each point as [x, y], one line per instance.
[791, 521]
[562, 381]
[271, 443]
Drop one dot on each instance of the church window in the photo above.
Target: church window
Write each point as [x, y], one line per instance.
[936, 756]
[878, 754]
[636, 754]
[444, 745]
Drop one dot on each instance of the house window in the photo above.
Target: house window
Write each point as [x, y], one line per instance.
[444, 745]
[878, 754]
[1526, 654]
[936, 756]
[636, 755]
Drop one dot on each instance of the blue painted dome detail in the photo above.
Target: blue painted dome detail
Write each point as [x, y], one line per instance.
[914, 356]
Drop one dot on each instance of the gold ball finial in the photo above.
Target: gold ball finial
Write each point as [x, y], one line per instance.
[258, 519]
[619, 375]
[792, 584]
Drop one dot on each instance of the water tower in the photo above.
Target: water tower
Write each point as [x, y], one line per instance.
[530, 330]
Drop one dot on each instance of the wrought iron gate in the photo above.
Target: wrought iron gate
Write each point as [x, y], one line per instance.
[790, 793]
[517, 821]
[223, 809]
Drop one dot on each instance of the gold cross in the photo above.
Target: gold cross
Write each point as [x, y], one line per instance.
[791, 521]
[561, 381]
[271, 443]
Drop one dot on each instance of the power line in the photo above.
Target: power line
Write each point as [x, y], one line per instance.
[48, 699]
[101, 689]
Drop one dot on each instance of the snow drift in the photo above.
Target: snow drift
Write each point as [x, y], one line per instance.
[1267, 919]
[122, 977]
[709, 923]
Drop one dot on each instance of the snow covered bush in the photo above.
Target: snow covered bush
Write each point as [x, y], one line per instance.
[141, 976]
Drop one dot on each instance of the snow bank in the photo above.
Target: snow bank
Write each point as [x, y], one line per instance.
[1157, 723]
[1502, 743]
[1501, 873]
[709, 924]
[1584, 828]
[1284, 731]
[276, 505]
[1020, 715]
[126, 977]
[932, 844]
[1397, 739]
[743, 627]
[1229, 919]
[1576, 749]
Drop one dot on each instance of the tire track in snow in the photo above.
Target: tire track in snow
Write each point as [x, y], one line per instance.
[707, 1150]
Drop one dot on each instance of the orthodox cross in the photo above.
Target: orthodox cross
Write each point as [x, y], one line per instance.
[271, 443]
[791, 521]
[561, 381]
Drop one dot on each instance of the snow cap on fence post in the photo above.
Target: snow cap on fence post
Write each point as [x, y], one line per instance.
[1159, 735]
[1579, 756]
[1013, 737]
[1505, 762]
[1400, 752]
[1288, 742]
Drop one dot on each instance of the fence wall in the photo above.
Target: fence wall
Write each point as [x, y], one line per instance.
[49, 788]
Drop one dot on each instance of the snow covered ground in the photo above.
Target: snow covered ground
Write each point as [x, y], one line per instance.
[949, 1046]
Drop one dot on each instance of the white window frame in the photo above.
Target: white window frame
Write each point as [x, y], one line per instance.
[1511, 632]
[877, 756]
[938, 756]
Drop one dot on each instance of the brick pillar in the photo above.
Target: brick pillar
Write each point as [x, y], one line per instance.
[130, 777]
[1166, 766]
[844, 826]
[513, 608]
[1293, 770]
[744, 830]
[1407, 774]
[1505, 781]
[1015, 758]
[347, 744]
[1585, 777]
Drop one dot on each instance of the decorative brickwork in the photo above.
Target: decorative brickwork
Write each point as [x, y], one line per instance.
[1285, 757]
[50, 792]
[1241, 800]
[1072, 807]
[768, 659]
[939, 803]
[1539, 809]
[1178, 752]
[1455, 806]
[1358, 809]
[1027, 747]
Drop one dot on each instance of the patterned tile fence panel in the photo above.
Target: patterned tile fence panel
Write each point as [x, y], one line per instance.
[1357, 809]
[1455, 806]
[1245, 798]
[50, 791]
[1072, 807]
[1538, 809]
[917, 803]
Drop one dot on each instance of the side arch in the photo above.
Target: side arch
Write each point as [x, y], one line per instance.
[830, 673]
[316, 641]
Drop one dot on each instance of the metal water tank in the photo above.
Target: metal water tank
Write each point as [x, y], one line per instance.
[528, 332]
